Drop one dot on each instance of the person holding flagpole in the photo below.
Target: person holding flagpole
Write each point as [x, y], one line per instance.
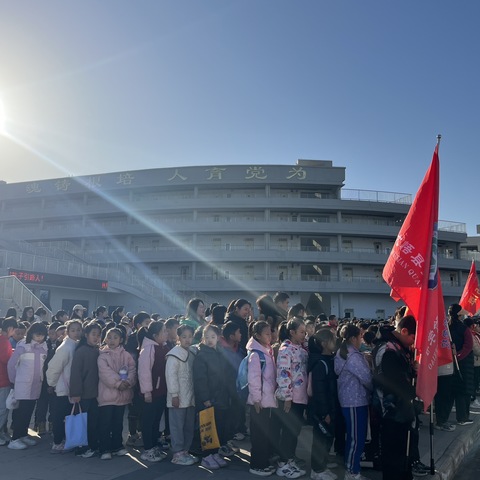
[395, 372]
[463, 379]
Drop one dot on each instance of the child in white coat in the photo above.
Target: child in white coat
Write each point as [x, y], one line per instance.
[180, 396]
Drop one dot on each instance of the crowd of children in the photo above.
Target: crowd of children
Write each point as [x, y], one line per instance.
[298, 369]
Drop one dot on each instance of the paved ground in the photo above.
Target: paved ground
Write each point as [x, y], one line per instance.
[36, 463]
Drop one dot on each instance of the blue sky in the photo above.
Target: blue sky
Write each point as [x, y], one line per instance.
[97, 86]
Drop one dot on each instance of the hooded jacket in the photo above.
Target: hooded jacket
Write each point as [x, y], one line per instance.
[25, 369]
[179, 375]
[261, 385]
[109, 364]
[60, 366]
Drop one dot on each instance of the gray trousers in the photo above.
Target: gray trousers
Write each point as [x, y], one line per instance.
[182, 421]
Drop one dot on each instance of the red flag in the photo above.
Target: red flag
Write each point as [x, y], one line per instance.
[412, 273]
[470, 300]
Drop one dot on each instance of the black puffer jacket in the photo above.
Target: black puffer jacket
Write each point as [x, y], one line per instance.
[324, 384]
[212, 378]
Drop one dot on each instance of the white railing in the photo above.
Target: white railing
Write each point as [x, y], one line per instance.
[15, 293]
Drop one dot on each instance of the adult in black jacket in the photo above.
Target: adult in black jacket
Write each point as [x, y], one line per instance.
[463, 381]
[394, 375]
[213, 382]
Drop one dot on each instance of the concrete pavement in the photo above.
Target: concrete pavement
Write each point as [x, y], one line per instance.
[36, 463]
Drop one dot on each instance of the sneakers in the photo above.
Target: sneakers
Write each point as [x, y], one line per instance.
[325, 475]
[220, 460]
[89, 453]
[17, 444]
[296, 465]
[210, 463]
[106, 456]
[226, 451]
[354, 476]
[193, 457]
[446, 427]
[261, 472]
[233, 447]
[419, 469]
[182, 458]
[58, 448]
[29, 441]
[135, 440]
[239, 436]
[289, 471]
[121, 452]
[465, 422]
[160, 451]
[475, 404]
[152, 455]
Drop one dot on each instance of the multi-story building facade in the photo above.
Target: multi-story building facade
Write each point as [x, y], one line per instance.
[156, 237]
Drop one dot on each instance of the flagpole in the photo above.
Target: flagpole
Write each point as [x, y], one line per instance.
[432, 459]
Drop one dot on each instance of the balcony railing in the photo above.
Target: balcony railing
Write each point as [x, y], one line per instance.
[376, 196]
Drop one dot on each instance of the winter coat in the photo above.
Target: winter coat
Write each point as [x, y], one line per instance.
[292, 373]
[84, 373]
[60, 366]
[179, 375]
[354, 383]
[110, 363]
[476, 349]
[463, 340]
[394, 381]
[324, 385]
[212, 378]
[25, 369]
[5, 354]
[261, 384]
[151, 368]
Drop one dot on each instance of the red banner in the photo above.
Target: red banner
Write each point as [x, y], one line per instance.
[470, 300]
[412, 273]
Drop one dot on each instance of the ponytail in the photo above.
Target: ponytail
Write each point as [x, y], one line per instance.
[346, 333]
[287, 327]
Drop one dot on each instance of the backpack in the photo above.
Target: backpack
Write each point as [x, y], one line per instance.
[242, 375]
[309, 381]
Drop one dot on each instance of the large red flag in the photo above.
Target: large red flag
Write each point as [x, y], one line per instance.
[470, 300]
[412, 273]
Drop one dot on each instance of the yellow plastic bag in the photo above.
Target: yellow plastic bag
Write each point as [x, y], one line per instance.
[208, 429]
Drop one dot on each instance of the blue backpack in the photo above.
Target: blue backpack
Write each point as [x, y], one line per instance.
[242, 375]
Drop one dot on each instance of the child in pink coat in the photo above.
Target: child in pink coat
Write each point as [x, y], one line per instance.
[261, 397]
[117, 376]
[25, 371]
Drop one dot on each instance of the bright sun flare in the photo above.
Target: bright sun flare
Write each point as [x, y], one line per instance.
[3, 118]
